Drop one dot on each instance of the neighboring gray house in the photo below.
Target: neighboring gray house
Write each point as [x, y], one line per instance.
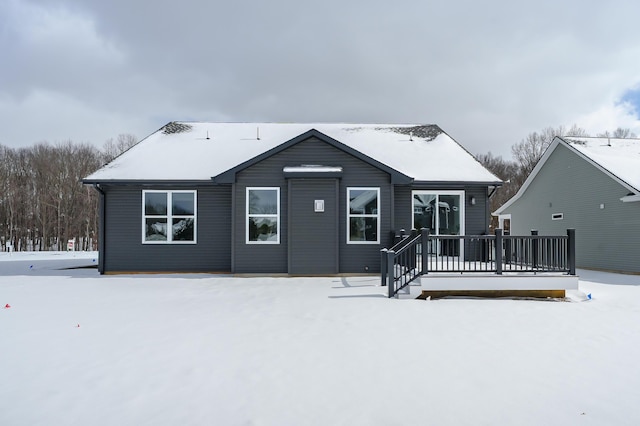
[283, 198]
[592, 185]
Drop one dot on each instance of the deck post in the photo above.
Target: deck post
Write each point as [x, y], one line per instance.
[424, 234]
[499, 251]
[413, 251]
[391, 275]
[383, 267]
[571, 250]
[535, 243]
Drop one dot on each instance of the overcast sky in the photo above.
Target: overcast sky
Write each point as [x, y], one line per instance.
[488, 73]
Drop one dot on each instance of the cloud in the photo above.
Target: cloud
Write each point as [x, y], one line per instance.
[631, 99]
[488, 73]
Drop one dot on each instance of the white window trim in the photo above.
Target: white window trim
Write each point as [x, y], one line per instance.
[557, 216]
[502, 218]
[463, 213]
[247, 215]
[170, 216]
[349, 215]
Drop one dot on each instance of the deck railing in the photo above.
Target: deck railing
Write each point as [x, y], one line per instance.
[399, 265]
[419, 254]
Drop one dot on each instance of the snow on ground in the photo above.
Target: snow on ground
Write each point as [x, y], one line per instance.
[79, 348]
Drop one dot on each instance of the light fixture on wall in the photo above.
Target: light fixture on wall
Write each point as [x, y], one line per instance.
[472, 200]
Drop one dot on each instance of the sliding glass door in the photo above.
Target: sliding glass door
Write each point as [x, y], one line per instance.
[442, 212]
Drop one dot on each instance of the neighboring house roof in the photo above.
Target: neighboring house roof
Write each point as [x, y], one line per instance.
[615, 157]
[194, 151]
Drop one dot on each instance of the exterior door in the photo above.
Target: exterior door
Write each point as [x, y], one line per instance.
[313, 226]
[442, 212]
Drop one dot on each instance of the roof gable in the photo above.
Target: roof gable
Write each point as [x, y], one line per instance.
[618, 158]
[229, 176]
[620, 162]
[182, 151]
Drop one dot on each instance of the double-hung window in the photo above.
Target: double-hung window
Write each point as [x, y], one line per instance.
[363, 215]
[263, 215]
[169, 217]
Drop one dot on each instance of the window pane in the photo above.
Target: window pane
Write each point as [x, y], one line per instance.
[155, 203]
[263, 229]
[263, 201]
[363, 201]
[449, 215]
[155, 229]
[183, 229]
[363, 229]
[182, 203]
[423, 212]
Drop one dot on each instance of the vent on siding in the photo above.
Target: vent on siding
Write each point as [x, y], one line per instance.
[557, 216]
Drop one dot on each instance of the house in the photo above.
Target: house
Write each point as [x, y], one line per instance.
[592, 185]
[283, 198]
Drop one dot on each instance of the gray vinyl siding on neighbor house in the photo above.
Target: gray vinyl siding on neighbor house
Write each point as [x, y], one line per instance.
[124, 250]
[273, 258]
[606, 238]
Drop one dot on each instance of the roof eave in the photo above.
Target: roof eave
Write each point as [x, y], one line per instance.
[631, 198]
[148, 182]
[454, 183]
[556, 141]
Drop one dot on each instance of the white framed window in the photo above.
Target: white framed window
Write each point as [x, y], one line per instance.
[169, 217]
[263, 215]
[363, 215]
[557, 216]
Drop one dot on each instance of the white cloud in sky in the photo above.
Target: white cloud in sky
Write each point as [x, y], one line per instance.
[488, 73]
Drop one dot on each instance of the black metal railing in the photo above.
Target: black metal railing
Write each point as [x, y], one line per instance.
[419, 254]
[399, 265]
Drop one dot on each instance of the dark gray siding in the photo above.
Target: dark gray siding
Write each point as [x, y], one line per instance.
[273, 258]
[476, 216]
[313, 236]
[606, 238]
[124, 250]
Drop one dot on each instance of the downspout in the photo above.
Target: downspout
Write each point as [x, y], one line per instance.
[488, 210]
[101, 226]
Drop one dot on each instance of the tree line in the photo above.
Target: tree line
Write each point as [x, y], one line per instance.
[43, 203]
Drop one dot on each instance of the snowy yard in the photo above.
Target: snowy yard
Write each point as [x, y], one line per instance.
[82, 349]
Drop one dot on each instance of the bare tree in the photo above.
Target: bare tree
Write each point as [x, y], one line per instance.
[622, 133]
[507, 171]
[528, 152]
[113, 148]
[42, 200]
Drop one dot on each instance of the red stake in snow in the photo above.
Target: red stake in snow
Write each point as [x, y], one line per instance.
[7, 306]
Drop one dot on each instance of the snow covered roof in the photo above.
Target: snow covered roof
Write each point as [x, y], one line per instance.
[193, 151]
[618, 158]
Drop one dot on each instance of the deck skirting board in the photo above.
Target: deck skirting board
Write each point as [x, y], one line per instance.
[469, 282]
[555, 294]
